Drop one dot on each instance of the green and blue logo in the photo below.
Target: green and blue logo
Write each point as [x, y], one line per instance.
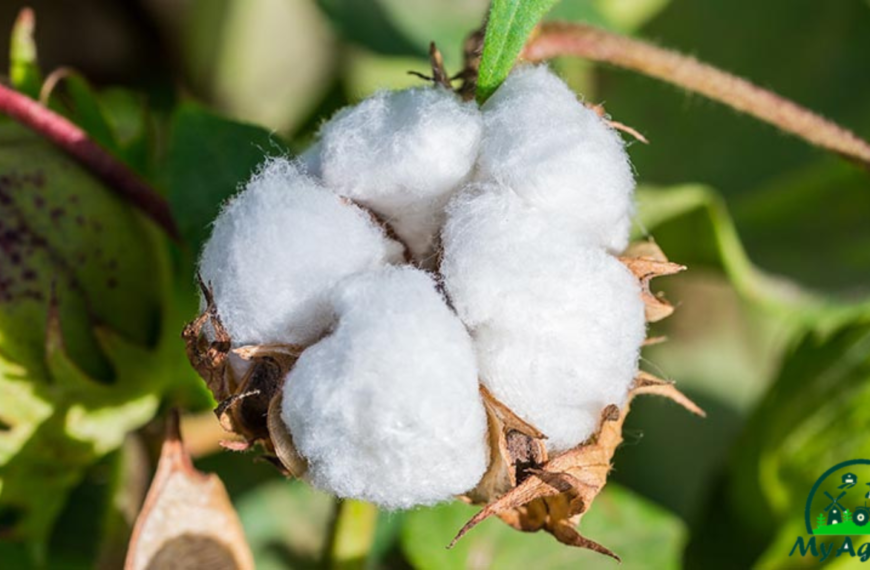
[837, 509]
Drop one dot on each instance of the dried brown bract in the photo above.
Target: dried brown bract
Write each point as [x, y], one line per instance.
[245, 389]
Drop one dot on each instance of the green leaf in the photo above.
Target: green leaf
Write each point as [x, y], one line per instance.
[78, 377]
[625, 17]
[117, 119]
[644, 535]
[209, 157]
[23, 67]
[509, 25]
[813, 417]
[811, 223]
[67, 235]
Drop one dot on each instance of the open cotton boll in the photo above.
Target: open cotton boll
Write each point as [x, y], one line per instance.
[277, 248]
[387, 409]
[558, 155]
[402, 153]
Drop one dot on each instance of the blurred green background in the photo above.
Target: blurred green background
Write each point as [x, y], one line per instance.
[771, 335]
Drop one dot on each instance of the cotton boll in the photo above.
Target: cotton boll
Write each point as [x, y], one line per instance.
[387, 409]
[402, 153]
[277, 248]
[558, 155]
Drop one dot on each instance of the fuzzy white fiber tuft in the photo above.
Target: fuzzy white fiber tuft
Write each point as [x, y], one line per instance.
[277, 248]
[557, 322]
[558, 156]
[386, 409]
[402, 154]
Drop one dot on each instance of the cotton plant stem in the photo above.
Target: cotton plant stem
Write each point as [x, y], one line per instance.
[76, 143]
[554, 39]
[352, 535]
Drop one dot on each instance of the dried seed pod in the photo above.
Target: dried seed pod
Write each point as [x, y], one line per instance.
[646, 261]
[243, 380]
[188, 520]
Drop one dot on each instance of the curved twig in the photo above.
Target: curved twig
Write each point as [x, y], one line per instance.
[559, 38]
[75, 142]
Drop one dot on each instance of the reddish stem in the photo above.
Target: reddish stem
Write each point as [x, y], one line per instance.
[559, 38]
[75, 142]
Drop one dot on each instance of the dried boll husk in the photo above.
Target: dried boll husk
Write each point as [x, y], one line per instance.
[522, 485]
[244, 380]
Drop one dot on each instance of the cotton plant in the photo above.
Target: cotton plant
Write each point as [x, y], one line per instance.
[437, 300]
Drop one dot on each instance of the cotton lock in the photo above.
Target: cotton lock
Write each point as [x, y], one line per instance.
[402, 154]
[277, 248]
[558, 155]
[387, 408]
[557, 322]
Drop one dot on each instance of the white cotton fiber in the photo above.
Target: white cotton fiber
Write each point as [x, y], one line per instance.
[494, 243]
[402, 154]
[557, 323]
[278, 247]
[386, 409]
[558, 155]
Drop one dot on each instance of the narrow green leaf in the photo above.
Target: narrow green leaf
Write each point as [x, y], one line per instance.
[509, 25]
[23, 67]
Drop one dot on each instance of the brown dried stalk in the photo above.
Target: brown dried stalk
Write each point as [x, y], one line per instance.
[554, 39]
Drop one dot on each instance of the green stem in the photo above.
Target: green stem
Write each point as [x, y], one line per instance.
[352, 535]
